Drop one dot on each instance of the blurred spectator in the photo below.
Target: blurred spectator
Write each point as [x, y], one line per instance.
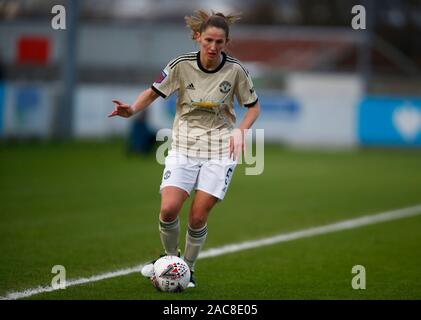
[2, 68]
[141, 137]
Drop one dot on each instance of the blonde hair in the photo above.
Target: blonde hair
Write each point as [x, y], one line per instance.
[202, 20]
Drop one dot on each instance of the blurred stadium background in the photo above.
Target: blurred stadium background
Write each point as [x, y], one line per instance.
[341, 110]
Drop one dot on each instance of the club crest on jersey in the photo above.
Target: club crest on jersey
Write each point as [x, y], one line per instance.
[162, 76]
[225, 87]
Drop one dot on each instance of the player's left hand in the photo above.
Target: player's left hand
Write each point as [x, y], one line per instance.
[236, 145]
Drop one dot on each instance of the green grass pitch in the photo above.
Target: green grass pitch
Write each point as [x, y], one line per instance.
[93, 209]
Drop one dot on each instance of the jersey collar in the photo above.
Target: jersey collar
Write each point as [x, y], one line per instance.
[199, 64]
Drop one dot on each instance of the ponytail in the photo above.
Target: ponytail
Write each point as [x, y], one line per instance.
[202, 20]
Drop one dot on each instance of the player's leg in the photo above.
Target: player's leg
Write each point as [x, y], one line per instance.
[178, 180]
[212, 184]
[172, 199]
[197, 228]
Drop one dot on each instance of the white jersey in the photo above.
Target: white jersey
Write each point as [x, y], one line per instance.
[205, 113]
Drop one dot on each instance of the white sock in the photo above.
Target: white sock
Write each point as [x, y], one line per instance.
[195, 238]
[168, 232]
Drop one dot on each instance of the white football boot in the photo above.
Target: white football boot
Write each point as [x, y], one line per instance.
[148, 269]
[192, 283]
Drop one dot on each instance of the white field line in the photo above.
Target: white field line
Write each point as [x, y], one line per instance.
[311, 232]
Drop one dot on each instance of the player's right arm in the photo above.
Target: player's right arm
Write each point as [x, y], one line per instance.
[166, 83]
[143, 101]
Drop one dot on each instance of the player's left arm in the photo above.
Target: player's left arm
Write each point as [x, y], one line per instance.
[237, 144]
[250, 117]
[246, 95]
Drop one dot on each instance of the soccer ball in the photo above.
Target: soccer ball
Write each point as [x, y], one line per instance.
[171, 274]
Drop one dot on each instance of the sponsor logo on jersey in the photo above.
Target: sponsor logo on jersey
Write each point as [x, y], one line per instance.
[206, 104]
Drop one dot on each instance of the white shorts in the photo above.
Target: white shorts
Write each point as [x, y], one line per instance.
[212, 176]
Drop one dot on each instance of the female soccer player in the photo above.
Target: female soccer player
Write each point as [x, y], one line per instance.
[205, 146]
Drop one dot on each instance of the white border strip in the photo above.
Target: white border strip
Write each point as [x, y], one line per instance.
[306, 233]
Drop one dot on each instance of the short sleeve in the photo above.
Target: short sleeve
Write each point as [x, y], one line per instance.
[166, 83]
[245, 92]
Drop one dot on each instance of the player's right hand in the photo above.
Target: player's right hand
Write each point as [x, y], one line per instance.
[121, 109]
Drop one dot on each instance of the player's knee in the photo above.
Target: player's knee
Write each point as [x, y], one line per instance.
[197, 220]
[169, 212]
